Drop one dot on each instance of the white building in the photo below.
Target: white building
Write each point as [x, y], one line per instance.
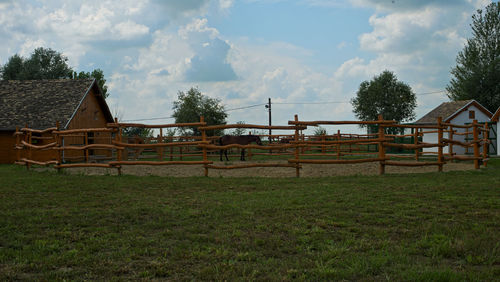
[456, 112]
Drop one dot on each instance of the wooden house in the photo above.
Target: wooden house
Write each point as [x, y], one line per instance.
[41, 104]
[455, 112]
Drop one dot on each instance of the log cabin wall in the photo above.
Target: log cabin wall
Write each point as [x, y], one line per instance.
[88, 115]
[7, 144]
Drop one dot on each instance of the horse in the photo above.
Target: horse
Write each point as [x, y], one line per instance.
[241, 139]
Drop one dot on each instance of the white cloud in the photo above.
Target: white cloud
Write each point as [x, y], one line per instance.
[129, 30]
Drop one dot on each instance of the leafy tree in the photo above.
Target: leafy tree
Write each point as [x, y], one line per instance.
[191, 105]
[319, 131]
[45, 63]
[42, 64]
[13, 69]
[239, 131]
[98, 74]
[477, 72]
[138, 131]
[384, 95]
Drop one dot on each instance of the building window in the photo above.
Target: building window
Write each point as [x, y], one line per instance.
[472, 114]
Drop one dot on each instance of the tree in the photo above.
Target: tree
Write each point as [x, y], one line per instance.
[13, 68]
[239, 131]
[138, 131]
[98, 74]
[42, 64]
[45, 63]
[384, 95]
[477, 72]
[319, 131]
[192, 105]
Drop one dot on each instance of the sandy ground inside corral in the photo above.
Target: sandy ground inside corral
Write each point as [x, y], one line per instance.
[308, 170]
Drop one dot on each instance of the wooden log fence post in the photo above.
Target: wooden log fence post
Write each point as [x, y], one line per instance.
[203, 139]
[18, 144]
[338, 145]
[486, 144]
[59, 145]
[323, 139]
[475, 133]
[415, 141]
[28, 140]
[450, 145]
[381, 148]
[119, 152]
[86, 143]
[160, 140]
[297, 148]
[440, 143]
[171, 139]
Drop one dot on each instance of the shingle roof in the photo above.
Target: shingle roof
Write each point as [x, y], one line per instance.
[445, 110]
[40, 103]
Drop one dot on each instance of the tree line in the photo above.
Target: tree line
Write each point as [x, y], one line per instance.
[45, 63]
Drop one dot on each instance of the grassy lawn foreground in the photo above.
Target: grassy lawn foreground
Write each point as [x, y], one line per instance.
[443, 227]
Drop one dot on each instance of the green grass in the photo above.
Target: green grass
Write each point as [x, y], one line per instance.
[437, 227]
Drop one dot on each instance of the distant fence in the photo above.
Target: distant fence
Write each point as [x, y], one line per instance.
[112, 150]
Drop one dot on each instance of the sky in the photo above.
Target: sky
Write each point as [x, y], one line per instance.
[308, 56]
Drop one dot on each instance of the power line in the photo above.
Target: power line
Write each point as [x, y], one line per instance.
[309, 103]
[241, 108]
[282, 103]
[429, 93]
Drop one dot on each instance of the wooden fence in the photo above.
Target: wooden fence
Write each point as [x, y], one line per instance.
[301, 149]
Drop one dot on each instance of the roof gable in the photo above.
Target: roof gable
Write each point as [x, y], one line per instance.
[449, 110]
[43, 103]
[496, 116]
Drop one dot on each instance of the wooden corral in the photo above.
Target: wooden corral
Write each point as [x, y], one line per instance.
[336, 149]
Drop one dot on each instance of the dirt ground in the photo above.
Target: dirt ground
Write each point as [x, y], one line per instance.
[308, 170]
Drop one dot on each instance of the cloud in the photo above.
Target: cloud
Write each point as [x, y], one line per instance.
[210, 64]
[129, 30]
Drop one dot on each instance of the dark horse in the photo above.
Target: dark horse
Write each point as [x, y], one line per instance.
[241, 139]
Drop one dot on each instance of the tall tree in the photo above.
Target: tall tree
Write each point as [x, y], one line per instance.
[46, 64]
[477, 73]
[13, 69]
[384, 95]
[98, 74]
[190, 106]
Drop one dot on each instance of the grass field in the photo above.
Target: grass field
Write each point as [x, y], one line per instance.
[419, 227]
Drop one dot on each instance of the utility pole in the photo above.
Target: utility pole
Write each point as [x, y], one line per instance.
[268, 106]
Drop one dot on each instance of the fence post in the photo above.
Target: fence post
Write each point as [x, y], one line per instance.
[58, 146]
[203, 139]
[381, 148]
[119, 152]
[86, 137]
[28, 140]
[440, 143]
[415, 141]
[18, 145]
[171, 139]
[486, 144]
[475, 132]
[297, 164]
[160, 140]
[338, 145]
[450, 145]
